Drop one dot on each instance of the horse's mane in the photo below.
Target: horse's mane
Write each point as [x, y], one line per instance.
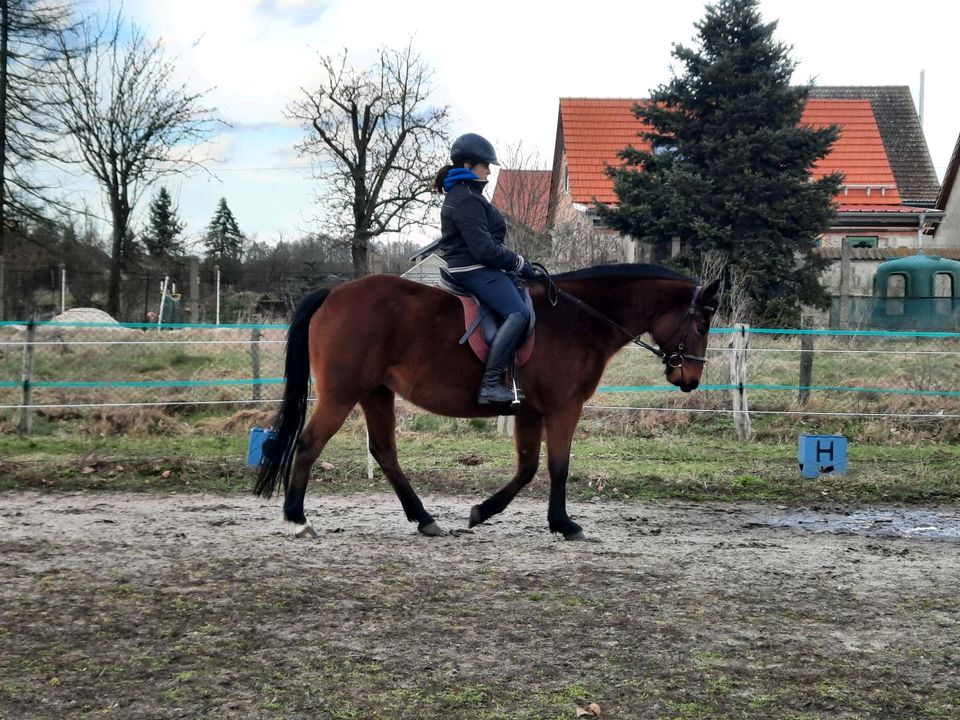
[625, 270]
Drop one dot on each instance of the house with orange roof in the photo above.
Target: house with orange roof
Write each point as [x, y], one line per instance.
[888, 195]
[948, 202]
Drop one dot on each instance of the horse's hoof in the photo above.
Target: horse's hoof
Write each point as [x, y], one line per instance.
[475, 517]
[576, 535]
[431, 529]
[306, 531]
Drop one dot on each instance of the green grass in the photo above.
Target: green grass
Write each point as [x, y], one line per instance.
[469, 457]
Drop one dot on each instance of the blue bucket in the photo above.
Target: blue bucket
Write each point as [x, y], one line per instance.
[258, 436]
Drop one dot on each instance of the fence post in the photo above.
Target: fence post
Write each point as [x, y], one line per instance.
[255, 360]
[63, 288]
[738, 378]
[26, 416]
[216, 291]
[845, 283]
[806, 367]
[505, 424]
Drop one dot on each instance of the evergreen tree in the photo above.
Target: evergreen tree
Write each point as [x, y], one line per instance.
[223, 240]
[162, 237]
[729, 165]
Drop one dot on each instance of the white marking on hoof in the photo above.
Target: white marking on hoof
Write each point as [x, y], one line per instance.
[306, 531]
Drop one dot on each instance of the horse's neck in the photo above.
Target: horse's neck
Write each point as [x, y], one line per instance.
[634, 304]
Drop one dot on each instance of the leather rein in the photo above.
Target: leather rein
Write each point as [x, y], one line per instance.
[674, 359]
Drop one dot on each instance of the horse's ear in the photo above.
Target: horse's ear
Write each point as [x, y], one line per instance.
[710, 295]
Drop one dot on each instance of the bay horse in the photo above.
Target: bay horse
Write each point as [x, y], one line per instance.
[380, 336]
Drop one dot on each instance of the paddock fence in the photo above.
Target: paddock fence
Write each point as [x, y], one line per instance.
[63, 369]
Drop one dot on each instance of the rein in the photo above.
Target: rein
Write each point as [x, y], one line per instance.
[674, 360]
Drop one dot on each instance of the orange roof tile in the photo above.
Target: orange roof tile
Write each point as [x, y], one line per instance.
[596, 129]
[858, 153]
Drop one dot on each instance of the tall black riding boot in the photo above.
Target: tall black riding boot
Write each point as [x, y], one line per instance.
[508, 338]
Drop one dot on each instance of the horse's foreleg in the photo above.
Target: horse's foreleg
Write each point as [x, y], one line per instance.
[528, 433]
[326, 419]
[560, 428]
[378, 408]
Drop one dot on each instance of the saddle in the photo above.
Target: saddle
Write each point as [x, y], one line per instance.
[480, 321]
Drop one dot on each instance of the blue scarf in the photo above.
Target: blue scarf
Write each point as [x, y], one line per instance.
[455, 175]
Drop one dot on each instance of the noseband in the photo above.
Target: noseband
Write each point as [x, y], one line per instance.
[678, 357]
[674, 359]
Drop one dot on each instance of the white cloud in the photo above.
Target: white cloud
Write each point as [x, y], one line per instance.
[502, 65]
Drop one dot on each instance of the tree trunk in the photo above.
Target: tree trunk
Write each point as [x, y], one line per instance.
[359, 253]
[116, 262]
[121, 215]
[4, 32]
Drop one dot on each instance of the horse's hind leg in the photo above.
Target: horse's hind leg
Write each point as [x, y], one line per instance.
[326, 419]
[527, 434]
[378, 408]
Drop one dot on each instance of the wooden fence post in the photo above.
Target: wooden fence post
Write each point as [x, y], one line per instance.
[806, 367]
[255, 360]
[26, 416]
[505, 424]
[738, 378]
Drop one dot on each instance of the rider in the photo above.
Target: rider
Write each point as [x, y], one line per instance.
[472, 234]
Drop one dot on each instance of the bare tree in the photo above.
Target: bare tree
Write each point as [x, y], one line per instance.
[129, 123]
[578, 244]
[522, 194]
[378, 142]
[28, 48]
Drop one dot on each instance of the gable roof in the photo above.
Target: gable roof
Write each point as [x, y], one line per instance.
[858, 154]
[949, 178]
[524, 195]
[881, 146]
[902, 136]
[594, 131]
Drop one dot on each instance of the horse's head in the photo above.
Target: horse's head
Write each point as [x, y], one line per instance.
[681, 335]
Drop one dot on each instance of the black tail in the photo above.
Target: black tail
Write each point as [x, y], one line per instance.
[279, 450]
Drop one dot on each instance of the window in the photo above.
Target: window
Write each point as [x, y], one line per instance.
[943, 293]
[862, 241]
[566, 179]
[896, 289]
[943, 285]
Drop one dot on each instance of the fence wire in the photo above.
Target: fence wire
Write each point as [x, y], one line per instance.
[79, 366]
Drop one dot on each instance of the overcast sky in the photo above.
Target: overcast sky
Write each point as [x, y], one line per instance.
[501, 65]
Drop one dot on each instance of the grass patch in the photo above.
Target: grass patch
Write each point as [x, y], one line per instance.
[165, 451]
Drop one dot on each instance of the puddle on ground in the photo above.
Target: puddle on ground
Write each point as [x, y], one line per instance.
[893, 523]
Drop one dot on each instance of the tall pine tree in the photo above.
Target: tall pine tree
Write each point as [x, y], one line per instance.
[162, 236]
[223, 240]
[729, 165]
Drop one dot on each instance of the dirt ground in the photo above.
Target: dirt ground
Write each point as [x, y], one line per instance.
[206, 606]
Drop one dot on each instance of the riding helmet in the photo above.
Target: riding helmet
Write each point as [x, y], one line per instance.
[472, 148]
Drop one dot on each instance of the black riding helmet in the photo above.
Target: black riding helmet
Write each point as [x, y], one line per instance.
[472, 148]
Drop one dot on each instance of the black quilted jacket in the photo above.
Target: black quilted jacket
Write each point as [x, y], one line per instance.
[472, 231]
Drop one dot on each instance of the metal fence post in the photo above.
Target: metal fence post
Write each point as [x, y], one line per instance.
[26, 416]
[806, 367]
[738, 378]
[255, 360]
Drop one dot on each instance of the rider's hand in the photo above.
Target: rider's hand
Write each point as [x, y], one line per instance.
[528, 271]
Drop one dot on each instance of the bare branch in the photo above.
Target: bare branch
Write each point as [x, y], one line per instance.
[129, 125]
[378, 143]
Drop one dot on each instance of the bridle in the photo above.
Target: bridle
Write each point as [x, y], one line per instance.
[676, 359]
